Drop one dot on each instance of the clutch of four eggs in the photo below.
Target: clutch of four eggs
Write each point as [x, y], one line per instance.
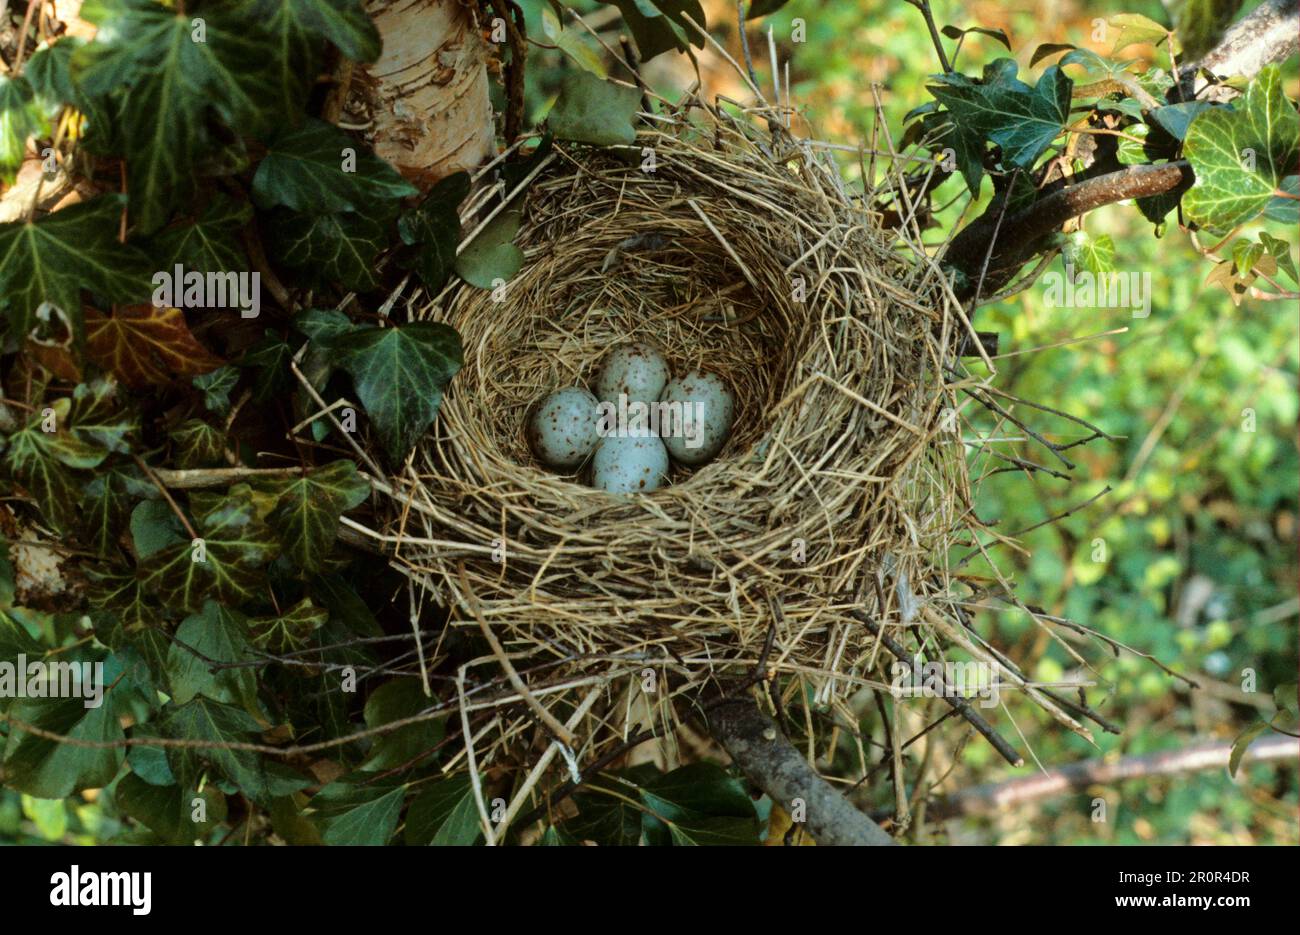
[638, 417]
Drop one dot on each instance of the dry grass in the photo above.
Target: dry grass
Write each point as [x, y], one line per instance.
[842, 487]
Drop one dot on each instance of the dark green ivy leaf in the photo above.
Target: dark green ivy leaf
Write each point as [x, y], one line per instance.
[54, 259]
[355, 815]
[307, 510]
[50, 72]
[48, 769]
[319, 169]
[1020, 119]
[217, 726]
[329, 248]
[658, 25]
[216, 634]
[433, 228]
[208, 244]
[236, 547]
[444, 814]
[171, 70]
[168, 811]
[399, 374]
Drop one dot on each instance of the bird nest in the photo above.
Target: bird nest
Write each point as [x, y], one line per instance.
[838, 494]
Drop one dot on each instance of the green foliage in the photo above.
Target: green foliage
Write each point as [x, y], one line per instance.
[236, 633]
[399, 374]
[1241, 154]
[590, 110]
[52, 260]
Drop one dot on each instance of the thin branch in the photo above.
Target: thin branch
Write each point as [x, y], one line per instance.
[1074, 777]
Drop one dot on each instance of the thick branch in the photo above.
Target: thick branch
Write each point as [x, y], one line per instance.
[978, 800]
[1021, 236]
[1271, 33]
[773, 764]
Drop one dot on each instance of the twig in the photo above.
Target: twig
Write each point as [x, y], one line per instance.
[960, 704]
[977, 800]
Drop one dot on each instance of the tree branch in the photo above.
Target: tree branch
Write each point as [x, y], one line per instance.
[979, 800]
[1271, 33]
[773, 764]
[1021, 236]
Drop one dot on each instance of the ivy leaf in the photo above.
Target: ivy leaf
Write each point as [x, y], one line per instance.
[167, 810]
[143, 345]
[700, 805]
[198, 444]
[444, 814]
[208, 244]
[106, 507]
[492, 257]
[590, 110]
[271, 357]
[216, 386]
[330, 247]
[1020, 119]
[954, 33]
[1174, 119]
[322, 325]
[1283, 208]
[1241, 154]
[1048, 49]
[53, 259]
[297, 28]
[1280, 251]
[236, 546]
[434, 228]
[658, 25]
[48, 769]
[1094, 254]
[217, 724]
[153, 528]
[342, 22]
[355, 815]
[399, 374]
[168, 71]
[572, 44]
[319, 169]
[216, 634]
[50, 72]
[762, 8]
[394, 701]
[20, 118]
[1242, 744]
[307, 511]
[289, 631]
[1136, 29]
[39, 462]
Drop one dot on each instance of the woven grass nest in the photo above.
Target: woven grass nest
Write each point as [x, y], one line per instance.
[745, 254]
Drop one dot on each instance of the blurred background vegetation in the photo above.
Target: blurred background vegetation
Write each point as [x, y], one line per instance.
[1200, 525]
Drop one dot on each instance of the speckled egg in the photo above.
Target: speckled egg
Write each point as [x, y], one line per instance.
[563, 429]
[629, 464]
[708, 408]
[638, 370]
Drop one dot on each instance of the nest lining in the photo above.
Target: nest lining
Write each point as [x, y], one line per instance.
[835, 485]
